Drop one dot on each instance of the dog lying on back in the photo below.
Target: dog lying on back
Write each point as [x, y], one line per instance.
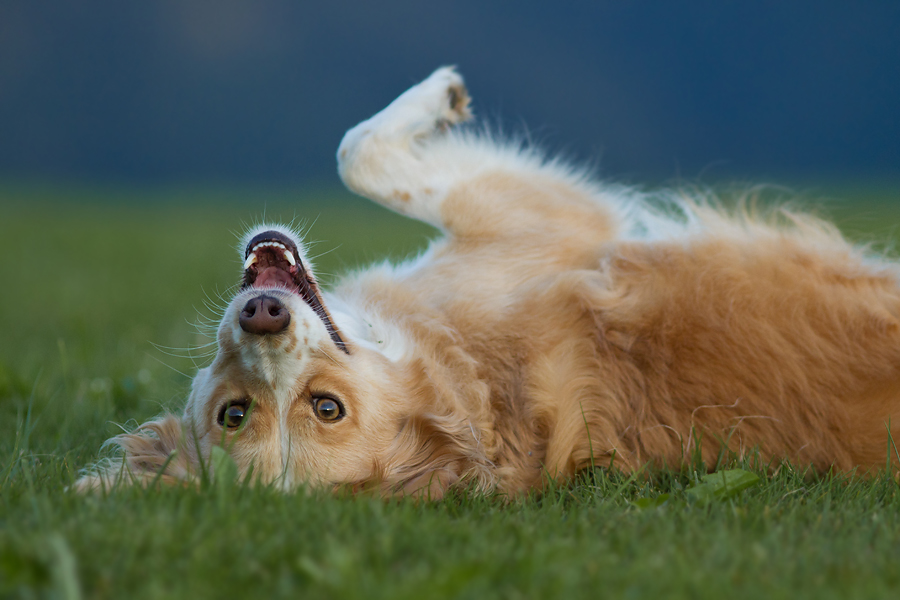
[559, 323]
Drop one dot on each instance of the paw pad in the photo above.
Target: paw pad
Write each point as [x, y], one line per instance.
[458, 103]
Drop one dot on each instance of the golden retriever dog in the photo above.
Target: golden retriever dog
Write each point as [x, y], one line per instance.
[558, 323]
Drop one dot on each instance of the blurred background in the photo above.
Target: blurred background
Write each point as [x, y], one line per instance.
[138, 139]
[259, 93]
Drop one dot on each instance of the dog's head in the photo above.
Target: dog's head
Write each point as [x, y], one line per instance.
[287, 393]
[295, 397]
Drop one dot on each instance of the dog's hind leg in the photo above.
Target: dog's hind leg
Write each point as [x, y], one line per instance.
[468, 184]
[384, 158]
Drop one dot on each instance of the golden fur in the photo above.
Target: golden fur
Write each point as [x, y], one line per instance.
[558, 324]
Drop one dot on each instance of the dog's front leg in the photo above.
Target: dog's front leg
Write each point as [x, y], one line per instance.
[387, 158]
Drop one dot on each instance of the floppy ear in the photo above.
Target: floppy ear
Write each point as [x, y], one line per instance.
[430, 454]
[438, 444]
[155, 451]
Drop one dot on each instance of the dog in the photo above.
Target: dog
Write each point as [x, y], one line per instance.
[558, 324]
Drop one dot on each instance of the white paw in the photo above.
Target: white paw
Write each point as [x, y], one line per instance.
[430, 107]
[442, 97]
[433, 105]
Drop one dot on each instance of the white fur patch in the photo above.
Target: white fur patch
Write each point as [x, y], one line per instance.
[370, 330]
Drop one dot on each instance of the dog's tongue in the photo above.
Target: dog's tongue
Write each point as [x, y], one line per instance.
[272, 277]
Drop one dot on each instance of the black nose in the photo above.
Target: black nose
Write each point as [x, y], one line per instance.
[263, 315]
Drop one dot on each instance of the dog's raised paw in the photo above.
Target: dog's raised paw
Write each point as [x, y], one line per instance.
[443, 97]
[457, 99]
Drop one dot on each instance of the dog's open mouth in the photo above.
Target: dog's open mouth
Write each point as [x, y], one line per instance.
[270, 260]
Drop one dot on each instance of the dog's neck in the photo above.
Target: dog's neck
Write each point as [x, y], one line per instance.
[370, 329]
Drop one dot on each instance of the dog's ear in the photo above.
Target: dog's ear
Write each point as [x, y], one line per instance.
[431, 453]
[157, 451]
[426, 458]
[434, 447]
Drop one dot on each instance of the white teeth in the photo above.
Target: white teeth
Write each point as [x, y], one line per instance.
[288, 255]
[265, 244]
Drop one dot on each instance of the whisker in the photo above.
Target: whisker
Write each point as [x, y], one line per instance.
[187, 353]
[332, 359]
[174, 348]
[321, 254]
[165, 364]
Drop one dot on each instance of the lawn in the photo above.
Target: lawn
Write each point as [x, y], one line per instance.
[106, 298]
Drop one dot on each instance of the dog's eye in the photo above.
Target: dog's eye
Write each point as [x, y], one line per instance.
[329, 409]
[232, 414]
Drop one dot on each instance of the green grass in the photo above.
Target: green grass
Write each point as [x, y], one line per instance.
[91, 281]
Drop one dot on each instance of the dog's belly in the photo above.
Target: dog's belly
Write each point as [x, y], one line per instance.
[670, 349]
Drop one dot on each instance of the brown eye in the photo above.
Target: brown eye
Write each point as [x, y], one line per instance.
[329, 409]
[232, 414]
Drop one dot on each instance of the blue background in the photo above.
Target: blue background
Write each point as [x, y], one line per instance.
[177, 91]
